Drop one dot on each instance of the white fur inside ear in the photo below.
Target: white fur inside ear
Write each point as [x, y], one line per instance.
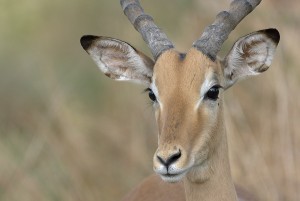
[255, 51]
[250, 55]
[120, 61]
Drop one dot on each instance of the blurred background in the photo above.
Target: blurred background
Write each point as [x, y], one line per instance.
[67, 132]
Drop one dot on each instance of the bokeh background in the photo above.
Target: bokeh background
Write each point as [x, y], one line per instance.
[67, 132]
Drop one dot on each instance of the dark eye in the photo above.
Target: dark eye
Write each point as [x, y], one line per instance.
[213, 93]
[151, 94]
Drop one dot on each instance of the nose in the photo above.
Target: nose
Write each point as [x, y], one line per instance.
[168, 159]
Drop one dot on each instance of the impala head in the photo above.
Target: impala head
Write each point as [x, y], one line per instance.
[186, 88]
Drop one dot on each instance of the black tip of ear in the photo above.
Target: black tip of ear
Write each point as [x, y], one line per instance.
[87, 40]
[273, 34]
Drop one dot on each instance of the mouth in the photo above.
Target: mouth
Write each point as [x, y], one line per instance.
[172, 178]
[172, 173]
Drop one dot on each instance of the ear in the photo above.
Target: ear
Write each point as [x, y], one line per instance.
[117, 59]
[250, 55]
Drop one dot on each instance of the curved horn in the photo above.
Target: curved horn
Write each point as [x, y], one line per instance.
[215, 35]
[144, 24]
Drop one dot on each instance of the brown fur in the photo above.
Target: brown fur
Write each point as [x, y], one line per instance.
[190, 124]
[198, 132]
[153, 188]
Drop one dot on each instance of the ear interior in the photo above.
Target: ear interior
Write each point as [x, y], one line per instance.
[117, 59]
[250, 55]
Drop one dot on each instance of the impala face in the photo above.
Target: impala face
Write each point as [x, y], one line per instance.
[187, 103]
[186, 89]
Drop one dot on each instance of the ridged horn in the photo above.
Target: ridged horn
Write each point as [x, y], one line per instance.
[216, 34]
[144, 24]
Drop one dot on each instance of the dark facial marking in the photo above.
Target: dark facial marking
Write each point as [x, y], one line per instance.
[182, 56]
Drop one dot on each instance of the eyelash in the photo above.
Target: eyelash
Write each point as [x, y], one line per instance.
[151, 94]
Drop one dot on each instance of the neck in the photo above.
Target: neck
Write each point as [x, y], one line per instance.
[211, 181]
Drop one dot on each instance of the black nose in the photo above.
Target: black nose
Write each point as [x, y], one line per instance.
[170, 159]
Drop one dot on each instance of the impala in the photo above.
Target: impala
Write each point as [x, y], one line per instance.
[187, 94]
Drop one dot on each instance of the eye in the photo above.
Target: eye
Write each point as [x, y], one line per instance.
[213, 93]
[151, 94]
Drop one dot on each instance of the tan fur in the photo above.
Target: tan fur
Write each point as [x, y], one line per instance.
[180, 125]
[154, 189]
[192, 142]
[198, 133]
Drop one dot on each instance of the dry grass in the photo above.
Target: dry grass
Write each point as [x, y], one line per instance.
[69, 133]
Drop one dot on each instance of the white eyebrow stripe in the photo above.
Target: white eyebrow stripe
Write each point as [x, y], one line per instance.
[155, 91]
[210, 81]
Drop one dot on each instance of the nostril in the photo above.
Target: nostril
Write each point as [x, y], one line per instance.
[174, 158]
[161, 160]
[171, 159]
